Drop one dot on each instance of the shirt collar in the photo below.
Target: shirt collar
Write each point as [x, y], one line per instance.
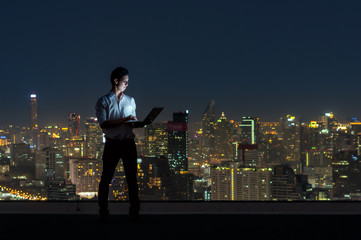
[112, 94]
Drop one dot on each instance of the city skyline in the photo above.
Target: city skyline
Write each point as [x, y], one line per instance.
[40, 123]
[254, 59]
[216, 159]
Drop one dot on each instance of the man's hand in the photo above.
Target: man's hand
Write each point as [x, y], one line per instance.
[113, 123]
[130, 117]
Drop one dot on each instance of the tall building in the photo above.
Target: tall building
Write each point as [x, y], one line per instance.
[208, 131]
[33, 112]
[269, 142]
[34, 127]
[93, 139]
[223, 140]
[289, 129]
[178, 142]
[249, 130]
[85, 175]
[51, 165]
[156, 140]
[346, 179]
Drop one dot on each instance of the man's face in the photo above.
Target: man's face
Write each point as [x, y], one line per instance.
[123, 83]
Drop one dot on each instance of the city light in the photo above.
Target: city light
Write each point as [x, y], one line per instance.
[214, 159]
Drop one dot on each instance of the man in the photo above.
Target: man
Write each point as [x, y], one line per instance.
[113, 111]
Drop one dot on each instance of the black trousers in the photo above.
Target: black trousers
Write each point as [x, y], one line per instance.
[113, 151]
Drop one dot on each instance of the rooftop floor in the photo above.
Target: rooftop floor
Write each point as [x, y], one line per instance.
[182, 220]
[182, 226]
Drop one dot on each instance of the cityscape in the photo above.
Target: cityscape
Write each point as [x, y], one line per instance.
[216, 159]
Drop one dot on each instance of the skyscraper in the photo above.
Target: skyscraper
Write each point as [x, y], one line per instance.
[289, 129]
[93, 139]
[223, 139]
[249, 130]
[208, 122]
[34, 128]
[33, 112]
[156, 140]
[178, 142]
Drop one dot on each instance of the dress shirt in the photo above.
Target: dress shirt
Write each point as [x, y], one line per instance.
[109, 107]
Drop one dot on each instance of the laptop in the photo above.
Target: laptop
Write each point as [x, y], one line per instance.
[148, 120]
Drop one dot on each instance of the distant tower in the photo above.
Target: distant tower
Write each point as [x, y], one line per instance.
[208, 125]
[178, 142]
[34, 128]
[34, 112]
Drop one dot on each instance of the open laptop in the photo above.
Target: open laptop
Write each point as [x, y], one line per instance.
[148, 120]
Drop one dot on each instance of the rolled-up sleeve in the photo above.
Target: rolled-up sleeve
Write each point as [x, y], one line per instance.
[101, 111]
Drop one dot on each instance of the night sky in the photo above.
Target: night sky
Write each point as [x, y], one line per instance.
[254, 58]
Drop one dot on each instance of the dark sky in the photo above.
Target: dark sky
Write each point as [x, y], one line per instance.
[258, 58]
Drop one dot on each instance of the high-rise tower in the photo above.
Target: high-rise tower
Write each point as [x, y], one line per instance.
[208, 137]
[178, 142]
[34, 128]
[33, 112]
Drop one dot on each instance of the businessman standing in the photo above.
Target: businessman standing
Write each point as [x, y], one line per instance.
[113, 110]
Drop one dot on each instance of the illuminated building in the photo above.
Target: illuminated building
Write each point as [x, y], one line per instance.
[328, 122]
[73, 124]
[21, 158]
[249, 130]
[195, 155]
[52, 167]
[284, 184]
[269, 142]
[3, 141]
[250, 155]
[55, 163]
[356, 135]
[85, 175]
[33, 112]
[346, 178]
[235, 183]
[61, 191]
[75, 147]
[4, 162]
[93, 139]
[289, 130]
[118, 187]
[223, 140]
[310, 145]
[34, 128]
[156, 140]
[155, 181]
[208, 131]
[319, 177]
[178, 142]
[41, 165]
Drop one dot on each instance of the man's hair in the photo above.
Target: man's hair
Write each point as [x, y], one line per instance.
[118, 73]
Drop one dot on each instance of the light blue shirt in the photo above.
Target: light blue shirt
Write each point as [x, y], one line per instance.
[109, 107]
